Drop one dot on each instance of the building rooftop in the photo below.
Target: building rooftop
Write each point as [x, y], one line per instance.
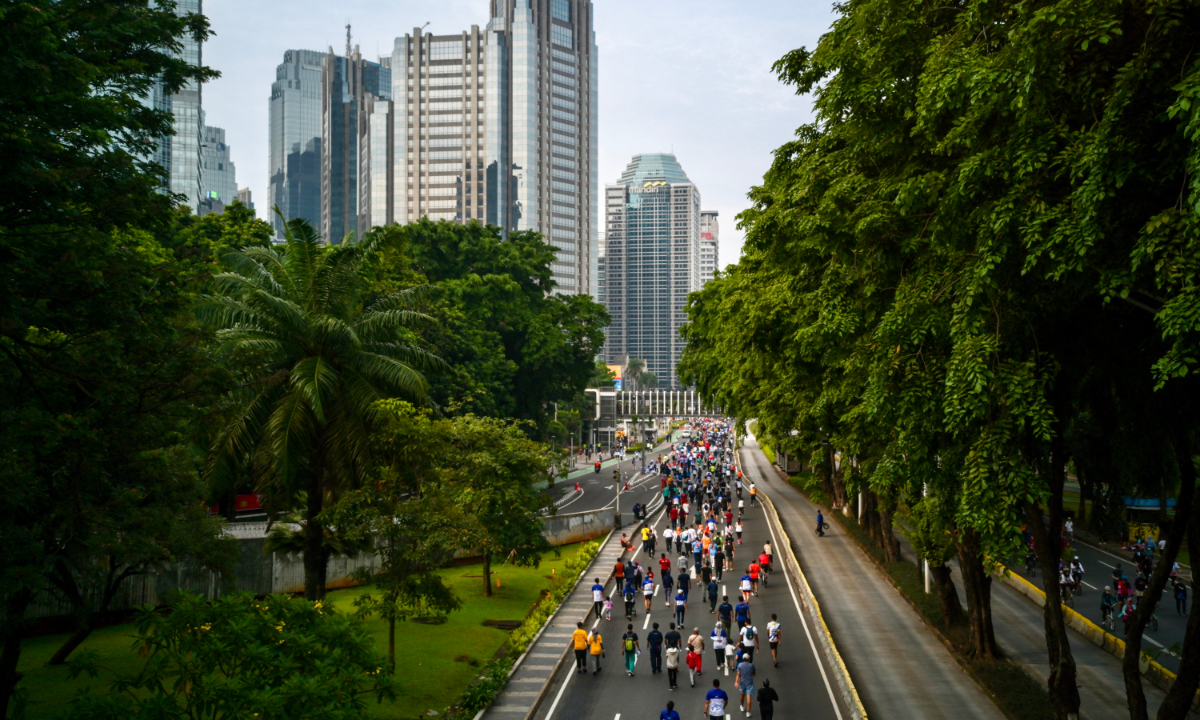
[653, 167]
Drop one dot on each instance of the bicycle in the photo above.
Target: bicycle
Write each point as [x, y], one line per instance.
[1152, 625]
[1109, 621]
[1068, 598]
[1031, 565]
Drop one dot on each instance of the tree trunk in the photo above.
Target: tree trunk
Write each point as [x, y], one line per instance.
[977, 586]
[1179, 699]
[1084, 496]
[887, 537]
[392, 641]
[314, 540]
[952, 611]
[487, 574]
[10, 645]
[870, 519]
[1064, 693]
[81, 633]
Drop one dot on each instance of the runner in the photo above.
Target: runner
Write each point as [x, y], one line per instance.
[713, 591]
[632, 648]
[747, 586]
[580, 643]
[680, 606]
[745, 681]
[738, 529]
[773, 629]
[648, 592]
[715, 701]
[754, 571]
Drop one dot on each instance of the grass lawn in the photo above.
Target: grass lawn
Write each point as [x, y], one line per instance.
[434, 663]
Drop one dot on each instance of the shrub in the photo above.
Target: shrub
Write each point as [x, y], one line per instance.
[237, 657]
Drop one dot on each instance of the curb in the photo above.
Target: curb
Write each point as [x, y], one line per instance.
[832, 656]
[1158, 675]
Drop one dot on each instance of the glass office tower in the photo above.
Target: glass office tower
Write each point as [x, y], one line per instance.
[651, 263]
[218, 173]
[295, 139]
[185, 162]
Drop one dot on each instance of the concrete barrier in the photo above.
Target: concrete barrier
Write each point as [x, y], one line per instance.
[1158, 675]
[577, 527]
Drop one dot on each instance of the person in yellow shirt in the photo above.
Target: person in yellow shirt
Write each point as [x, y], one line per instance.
[596, 644]
[579, 639]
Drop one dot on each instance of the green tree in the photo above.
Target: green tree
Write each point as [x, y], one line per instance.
[495, 468]
[633, 371]
[648, 380]
[316, 362]
[238, 657]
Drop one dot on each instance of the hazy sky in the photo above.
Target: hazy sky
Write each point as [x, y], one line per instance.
[691, 77]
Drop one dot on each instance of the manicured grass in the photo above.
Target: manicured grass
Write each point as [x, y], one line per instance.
[434, 663]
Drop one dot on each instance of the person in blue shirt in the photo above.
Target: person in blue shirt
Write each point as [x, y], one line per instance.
[715, 701]
[820, 524]
[680, 606]
[725, 613]
[713, 592]
[598, 597]
[669, 713]
[742, 614]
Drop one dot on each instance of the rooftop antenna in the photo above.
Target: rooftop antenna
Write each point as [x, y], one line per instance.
[347, 38]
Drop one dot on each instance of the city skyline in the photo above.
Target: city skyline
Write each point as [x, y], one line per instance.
[724, 110]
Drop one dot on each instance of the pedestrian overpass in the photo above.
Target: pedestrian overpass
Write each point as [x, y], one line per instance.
[615, 405]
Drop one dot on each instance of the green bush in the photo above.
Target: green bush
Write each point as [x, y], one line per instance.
[560, 587]
[491, 683]
[237, 657]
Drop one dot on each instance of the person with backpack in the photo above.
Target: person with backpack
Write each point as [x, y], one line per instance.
[630, 613]
[742, 614]
[774, 629]
[654, 642]
[749, 641]
[631, 646]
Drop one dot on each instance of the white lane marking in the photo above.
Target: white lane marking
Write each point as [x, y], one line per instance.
[577, 498]
[561, 690]
[618, 717]
[804, 623]
[647, 623]
[1149, 639]
[1089, 585]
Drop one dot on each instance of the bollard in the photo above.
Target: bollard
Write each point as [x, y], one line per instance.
[497, 581]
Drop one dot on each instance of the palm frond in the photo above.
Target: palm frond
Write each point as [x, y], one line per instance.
[317, 381]
[395, 374]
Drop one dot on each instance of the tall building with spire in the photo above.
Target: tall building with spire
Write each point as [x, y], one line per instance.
[651, 263]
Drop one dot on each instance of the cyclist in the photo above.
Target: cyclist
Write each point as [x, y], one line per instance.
[1077, 575]
[767, 551]
[1108, 601]
[753, 493]
[1064, 584]
[764, 561]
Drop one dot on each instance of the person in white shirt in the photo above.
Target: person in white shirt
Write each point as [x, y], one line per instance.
[749, 642]
[773, 629]
[719, 639]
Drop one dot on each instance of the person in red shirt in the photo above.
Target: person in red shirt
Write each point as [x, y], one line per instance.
[755, 569]
[764, 563]
[674, 516]
[619, 574]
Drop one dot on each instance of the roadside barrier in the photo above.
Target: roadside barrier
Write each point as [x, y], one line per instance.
[1158, 675]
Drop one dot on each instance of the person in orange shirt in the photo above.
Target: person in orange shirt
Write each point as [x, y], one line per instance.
[755, 570]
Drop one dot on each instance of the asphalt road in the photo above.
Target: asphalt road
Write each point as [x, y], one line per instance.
[900, 669]
[600, 492]
[1098, 565]
[803, 684]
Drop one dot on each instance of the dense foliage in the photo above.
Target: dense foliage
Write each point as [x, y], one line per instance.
[972, 265]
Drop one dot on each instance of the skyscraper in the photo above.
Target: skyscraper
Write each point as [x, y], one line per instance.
[349, 85]
[295, 139]
[497, 126]
[710, 245]
[184, 165]
[651, 262]
[218, 175]
[243, 196]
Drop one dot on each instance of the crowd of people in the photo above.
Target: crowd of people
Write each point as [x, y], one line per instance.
[705, 500]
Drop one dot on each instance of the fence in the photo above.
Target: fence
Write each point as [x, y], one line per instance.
[261, 574]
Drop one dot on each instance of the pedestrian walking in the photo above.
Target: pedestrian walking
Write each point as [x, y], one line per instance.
[596, 648]
[742, 614]
[580, 645]
[619, 576]
[767, 697]
[654, 643]
[648, 592]
[695, 657]
[715, 701]
[629, 611]
[669, 713]
[632, 648]
[745, 683]
[1180, 597]
[773, 633]
[713, 591]
[749, 641]
[672, 663]
[598, 597]
[608, 609]
[680, 606]
[720, 638]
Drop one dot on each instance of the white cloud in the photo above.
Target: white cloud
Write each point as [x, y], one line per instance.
[693, 77]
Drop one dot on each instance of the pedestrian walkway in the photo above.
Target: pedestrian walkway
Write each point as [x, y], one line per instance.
[532, 675]
[900, 668]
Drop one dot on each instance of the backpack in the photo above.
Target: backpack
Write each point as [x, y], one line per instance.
[749, 633]
[628, 644]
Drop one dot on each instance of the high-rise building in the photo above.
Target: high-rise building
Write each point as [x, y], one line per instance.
[243, 197]
[295, 139]
[710, 245]
[185, 164]
[651, 262]
[497, 126]
[349, 85]
[219, 178]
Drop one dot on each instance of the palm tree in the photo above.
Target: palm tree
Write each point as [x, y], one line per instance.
[633, 370]
[317, 362]
[648, 380]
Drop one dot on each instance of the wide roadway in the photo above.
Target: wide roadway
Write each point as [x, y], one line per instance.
[804, 685]
[1098, 565]
[599, 491]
